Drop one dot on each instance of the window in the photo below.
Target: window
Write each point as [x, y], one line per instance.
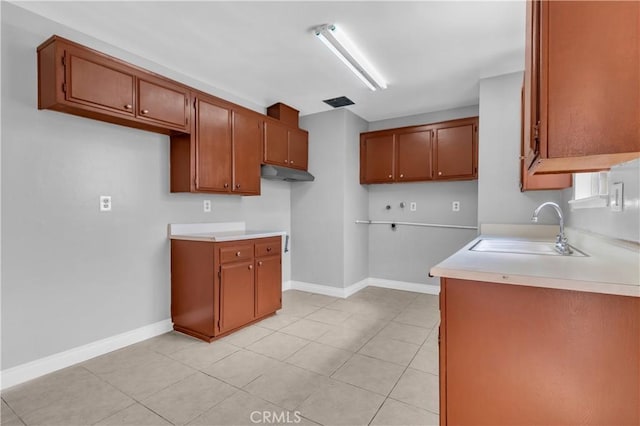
[590, 190]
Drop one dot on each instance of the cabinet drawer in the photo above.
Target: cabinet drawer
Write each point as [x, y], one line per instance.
[268, 247]
[236, 252]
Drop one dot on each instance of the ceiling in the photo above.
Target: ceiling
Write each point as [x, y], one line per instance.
[432, 54]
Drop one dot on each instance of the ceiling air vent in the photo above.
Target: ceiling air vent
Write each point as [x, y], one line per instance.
[338, 102]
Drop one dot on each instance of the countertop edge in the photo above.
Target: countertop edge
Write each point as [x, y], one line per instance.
[540, 282]
[225, 238]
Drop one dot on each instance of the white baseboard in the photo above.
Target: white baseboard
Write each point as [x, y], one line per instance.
[30, 370]
[317, 288]
[354, 288]
[406, 286]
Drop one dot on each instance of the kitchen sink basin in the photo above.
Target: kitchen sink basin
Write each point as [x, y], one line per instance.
[504, 245]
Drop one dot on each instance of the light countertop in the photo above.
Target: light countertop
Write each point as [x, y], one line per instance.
[612, 267]
[217, 232]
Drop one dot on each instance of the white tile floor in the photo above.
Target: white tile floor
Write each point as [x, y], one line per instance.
[369, 359]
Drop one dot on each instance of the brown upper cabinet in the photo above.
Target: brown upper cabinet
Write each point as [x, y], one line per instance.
[377, 157]
[456, 149]
[440, 151]
[285, 146]
[582, 85]
[222, 153]
[81, 81]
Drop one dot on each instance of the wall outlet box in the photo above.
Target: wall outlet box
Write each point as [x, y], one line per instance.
[207, 206]
[455, 206]
[105, 203]
[616, 197]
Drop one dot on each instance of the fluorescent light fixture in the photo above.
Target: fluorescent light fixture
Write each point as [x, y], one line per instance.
[339, 44]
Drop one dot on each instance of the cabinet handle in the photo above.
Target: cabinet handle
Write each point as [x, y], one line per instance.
[237, 185]
[286, 161]
[226, 185]
[401, 176]
[238, 254]
[268, 248]
[250, 266]
[145, 111]
[291, 162]
[260, 263]
[390, 176]
[439, 173]
[128, 106]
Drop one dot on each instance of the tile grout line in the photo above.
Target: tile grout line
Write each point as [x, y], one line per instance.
[135, 400]
[13, 411]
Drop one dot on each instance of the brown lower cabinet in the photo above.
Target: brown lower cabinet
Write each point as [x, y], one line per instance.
[523, 355]
[217, 288]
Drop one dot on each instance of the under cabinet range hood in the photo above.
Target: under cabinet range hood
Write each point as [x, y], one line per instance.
[284, 173]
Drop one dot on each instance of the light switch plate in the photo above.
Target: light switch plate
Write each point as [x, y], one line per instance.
[413, 206]
[616, 197]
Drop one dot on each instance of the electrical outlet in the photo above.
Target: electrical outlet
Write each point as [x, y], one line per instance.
[455, 206]
[413, 206]
[207, 206]
[105, 203]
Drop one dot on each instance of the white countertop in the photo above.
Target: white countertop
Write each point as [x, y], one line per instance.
[610, 268]
[217, 232]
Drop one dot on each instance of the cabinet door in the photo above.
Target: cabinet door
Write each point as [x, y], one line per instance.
[298, 149]
[268, 285]
[236, 295]
[529, 182]
[590, 87]
[96, 82]
[247, 143]
[377, 158]
[455, 152]
[163, 102]
[275, 144]
[213, 147]
[414, 156]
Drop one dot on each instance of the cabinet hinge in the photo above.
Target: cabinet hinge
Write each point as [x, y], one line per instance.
[220, 272]
[195, 102]
[218, 324]
[64, 61]
[195, 181]
[64, 87]
[536, 136]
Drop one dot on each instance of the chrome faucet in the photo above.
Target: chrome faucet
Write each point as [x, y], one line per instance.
[562, 246]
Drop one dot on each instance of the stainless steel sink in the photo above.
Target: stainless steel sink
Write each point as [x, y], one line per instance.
[504, 245]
